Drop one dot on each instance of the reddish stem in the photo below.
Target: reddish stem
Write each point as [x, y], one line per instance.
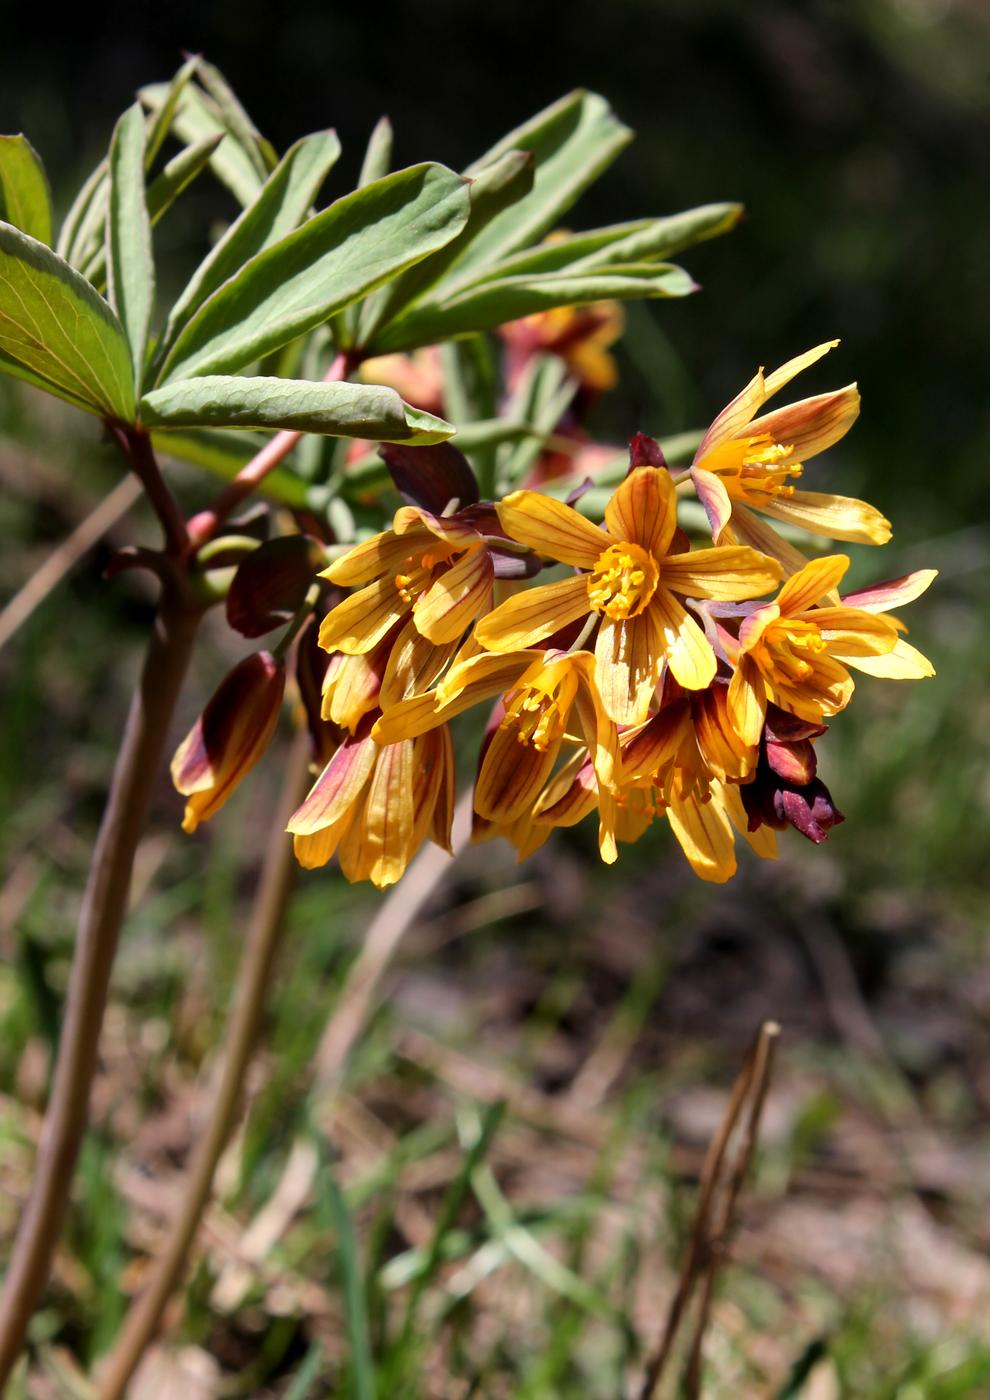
[204, 525]
[135, 444]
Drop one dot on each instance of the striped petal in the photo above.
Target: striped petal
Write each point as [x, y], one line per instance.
[551, 529]
[749, 528]
[747, 701]
[454, 600]
[835, 517]
[388, 824]
[352, 684]
[314, 849]
[711, 492]
[727, 574]
[336, 789]
[643, 510]
[413, 520]
[705, 835]
[628, 657]
[413, 665]
[812, 581]
[369, 559]
[811, 425]
[511, 776]
[533, 614]
[734, 417]
[826, 691]
[687, 651]
[793, 368]
[466, 684]
[362, 620]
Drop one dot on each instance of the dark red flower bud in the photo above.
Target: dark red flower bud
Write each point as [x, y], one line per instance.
[645, 451]
[431, 477]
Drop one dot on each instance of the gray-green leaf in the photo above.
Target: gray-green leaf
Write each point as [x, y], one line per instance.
[58, 332]
[130, 266]
[339, 410]
[196, 117]
[506, 299]
[25, 199]
[336, 257]
[280, 206]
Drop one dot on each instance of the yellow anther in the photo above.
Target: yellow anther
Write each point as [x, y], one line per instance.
[623, 580]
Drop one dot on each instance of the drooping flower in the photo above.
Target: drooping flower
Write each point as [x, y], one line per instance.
[786, 790]
[373, 807]
[548, 700]
[627, 587]
[746, 464]
[796, 654]
[229, 736]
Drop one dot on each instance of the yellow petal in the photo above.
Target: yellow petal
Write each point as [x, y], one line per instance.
[369, 559]
[747, 701]
[903, 663]
[467, 683]
[551, 529]
[826, 691]
[728, 573]
[533, 614]
[764, 839]
[314, 849]
[811, 425]
[852, 632]
[413, 665]
[835, 517]
[749, 528]
[628, 657]
[411, 520]
[362, 620]
[688, 652]
[734, 417]
[726, 753]
[643, 510]
[454, 600]
[352, 685]
[705, 836]
[812, 581]
[442, 815]
[711, 492]
[792, 368]
[388, 825]
[656, 744]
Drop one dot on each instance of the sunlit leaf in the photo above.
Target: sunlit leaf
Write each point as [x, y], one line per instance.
[25, 199]
[196, 116]
[130, 267]
[280, 206]
[340, 410]
[59, 331]
[161, 124]
[235, 118]
[355, 245]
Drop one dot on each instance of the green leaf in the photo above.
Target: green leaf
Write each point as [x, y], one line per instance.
[25, 199]
[643, 240]
[340, 410]
[572, 142]
[336, 257]
[280, 206]
[59, 332]
[333, 1214]
[224, 454]
[470, 394]
[508, 298]
[130, 266]
[495, 188]
[91, 198]
[378, 156]
[161, 124]
[196, 117]
[235, 118]
[541, 399]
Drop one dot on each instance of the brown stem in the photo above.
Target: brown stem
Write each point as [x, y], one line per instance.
[102, 913]
[135, 444]
[204, 525]
[253, 981]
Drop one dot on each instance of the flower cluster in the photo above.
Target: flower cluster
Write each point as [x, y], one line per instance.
[651, 678]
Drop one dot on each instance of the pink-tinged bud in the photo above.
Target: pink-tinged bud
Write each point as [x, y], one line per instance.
[229, 737]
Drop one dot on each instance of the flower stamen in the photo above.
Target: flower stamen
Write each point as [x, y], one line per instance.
[623, 581]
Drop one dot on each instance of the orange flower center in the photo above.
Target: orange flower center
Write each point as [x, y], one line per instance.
[623, 581]
[418, 571]
[791, 648]
[755, 466]
[538, 712]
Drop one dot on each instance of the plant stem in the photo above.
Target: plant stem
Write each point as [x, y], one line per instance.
[204, 525]
[102, 913]
[253, 981]
[135, 444]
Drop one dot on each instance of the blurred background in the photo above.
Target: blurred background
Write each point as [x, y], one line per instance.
[858, 137]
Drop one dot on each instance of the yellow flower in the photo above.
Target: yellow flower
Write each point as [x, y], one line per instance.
[229, 737]
[580, 335]
[374, 806]
[746, 464]
[430, 572]
[627, 586]
[550, 699]
[795, 654]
